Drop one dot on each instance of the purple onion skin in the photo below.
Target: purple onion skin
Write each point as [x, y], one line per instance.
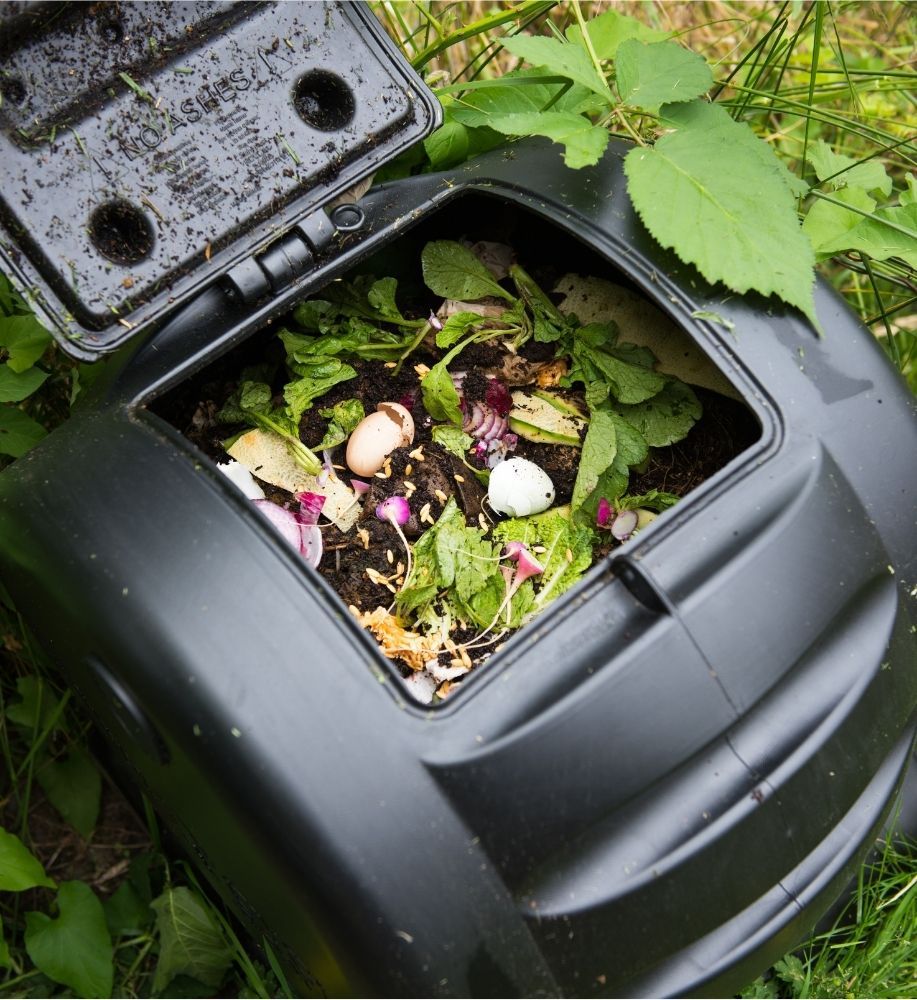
[394, 509]
[359, 486]
[310, 506]
[498, 398]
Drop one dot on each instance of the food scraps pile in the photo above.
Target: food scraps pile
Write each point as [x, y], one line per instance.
[453, 473]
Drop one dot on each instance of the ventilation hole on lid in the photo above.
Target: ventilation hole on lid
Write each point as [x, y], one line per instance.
[111, 31]
[323, 100]
[121, 232]
[12, 89]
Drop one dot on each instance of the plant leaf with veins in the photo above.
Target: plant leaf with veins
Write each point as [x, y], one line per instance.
[660, 73]
[610, 29]
[562, 58]
[712, 217]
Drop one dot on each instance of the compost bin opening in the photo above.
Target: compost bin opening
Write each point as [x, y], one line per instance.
[121, 232]
[489, 408]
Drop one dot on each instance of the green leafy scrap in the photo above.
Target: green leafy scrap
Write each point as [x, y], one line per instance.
[315, 379]
[75, 948]
[190, 940]
[600, 446]
[607, 369]
[656, 73]
[843, 171]
[566, 555]
[454, 272]
[711, 217]
[343, 417]
[666, 417]
[365, 297]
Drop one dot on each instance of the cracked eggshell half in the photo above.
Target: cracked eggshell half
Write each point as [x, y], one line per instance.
[375, 437]
[519, 487]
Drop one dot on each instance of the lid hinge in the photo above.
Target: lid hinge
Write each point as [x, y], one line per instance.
[285, 260]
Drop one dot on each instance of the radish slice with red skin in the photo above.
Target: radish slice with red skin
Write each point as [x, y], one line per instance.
[624, 525]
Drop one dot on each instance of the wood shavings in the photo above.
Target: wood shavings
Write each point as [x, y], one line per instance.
[399, 643]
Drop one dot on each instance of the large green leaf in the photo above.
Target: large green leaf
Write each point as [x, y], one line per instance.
[190, 941]
[827, 224]
[24, 339]
[447, 146]
[18, 431]
[74, 787]
[561, 58]
[700, 191]
[75, 949]
[19, 868]
[844, 171]
[649, 76]
[38, 706]
[892, 233]
[608, 30]
[454, 272]
[521, 91]
[583, 142]
[16, 386]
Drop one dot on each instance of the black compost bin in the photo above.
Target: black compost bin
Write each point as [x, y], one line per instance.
[655, 789]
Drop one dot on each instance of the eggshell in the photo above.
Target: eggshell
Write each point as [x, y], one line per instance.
[519, 487]
[375, 437]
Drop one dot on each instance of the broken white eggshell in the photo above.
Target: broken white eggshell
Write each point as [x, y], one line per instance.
[238, 474]
[375, 437]
[519, 487]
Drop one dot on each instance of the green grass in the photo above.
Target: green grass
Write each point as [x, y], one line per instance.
[799, 74]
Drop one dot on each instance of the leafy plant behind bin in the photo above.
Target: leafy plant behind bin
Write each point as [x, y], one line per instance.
[731, 206]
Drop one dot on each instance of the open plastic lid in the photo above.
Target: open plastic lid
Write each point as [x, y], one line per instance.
[149, 147]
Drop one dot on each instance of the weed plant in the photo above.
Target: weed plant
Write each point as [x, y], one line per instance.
[91, 902]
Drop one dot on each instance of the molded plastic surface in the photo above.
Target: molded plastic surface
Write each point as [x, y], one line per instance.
[655, 788]
[146, 148]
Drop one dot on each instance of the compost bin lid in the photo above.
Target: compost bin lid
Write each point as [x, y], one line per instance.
[149, 147]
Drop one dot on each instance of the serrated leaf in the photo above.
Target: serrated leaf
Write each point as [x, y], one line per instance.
[519, 92]
[561, 58]
[649, 76]
[74, 949]
[827, 224]
[74, 787]
[18, 431]
[599, 449]
[447, 146]
[16, 386]
[701, 115]
[19, 868]
[190, 940]
[666, 417]
[844, 171]
[712, 217]
[608, 30]
[25, 340]
[583, 142]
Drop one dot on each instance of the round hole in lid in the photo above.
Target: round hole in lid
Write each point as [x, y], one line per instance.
[323, 100]
[12, 89]
[111, 31]
[121, 232]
